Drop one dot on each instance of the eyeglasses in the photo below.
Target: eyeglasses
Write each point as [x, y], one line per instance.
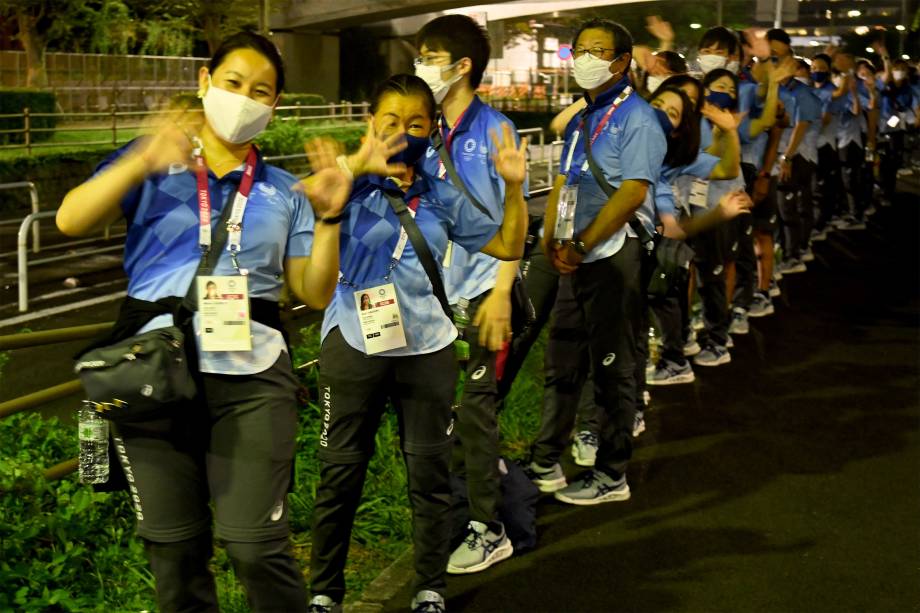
[597, 52]
[432, 60]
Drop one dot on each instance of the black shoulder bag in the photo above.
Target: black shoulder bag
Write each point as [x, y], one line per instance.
[140, 377]
[669, 259]
[522, 311]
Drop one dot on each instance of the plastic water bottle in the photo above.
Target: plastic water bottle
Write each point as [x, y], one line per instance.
[94, 445]
[461, 321]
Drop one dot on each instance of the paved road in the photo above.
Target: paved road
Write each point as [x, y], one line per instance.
[784, 481]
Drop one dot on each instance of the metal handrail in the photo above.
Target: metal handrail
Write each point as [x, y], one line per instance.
[51, 337]
[33, 196]
[22, 257]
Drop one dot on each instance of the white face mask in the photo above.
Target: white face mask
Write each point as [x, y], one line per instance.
[733, 66]
[432, 76]
[898, 74]
[803, 80]
[233, 117]
[654, 83]
[592, 72]
[708, 63]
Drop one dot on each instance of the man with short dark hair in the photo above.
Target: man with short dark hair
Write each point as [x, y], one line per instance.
[587, 236]
[454, 51]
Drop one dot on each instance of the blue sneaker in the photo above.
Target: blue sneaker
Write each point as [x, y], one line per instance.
[713, 355]
[594, 487]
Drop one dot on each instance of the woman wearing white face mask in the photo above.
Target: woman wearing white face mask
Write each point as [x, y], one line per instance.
[187, 197]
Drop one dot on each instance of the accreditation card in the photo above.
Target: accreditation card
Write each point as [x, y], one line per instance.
[223, 305]
[381, 321]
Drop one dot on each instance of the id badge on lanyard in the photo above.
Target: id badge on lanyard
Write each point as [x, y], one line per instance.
[223, 300]
[699, 193]
[568, 195]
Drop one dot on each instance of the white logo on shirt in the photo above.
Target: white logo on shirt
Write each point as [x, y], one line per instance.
[478, 373]
[470, 145]
[609, 358]
[268, 189]
[177, 169]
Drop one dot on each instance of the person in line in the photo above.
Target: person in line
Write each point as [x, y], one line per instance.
[234, 445]
[454, 52]
[602, 256]
[413, 365]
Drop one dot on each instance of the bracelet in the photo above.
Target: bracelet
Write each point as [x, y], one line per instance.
[331, 221]
[342, 161]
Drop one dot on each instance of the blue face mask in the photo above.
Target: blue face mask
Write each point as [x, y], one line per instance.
[819, 77]
[721, 99]
[665, 122]
[417, 146]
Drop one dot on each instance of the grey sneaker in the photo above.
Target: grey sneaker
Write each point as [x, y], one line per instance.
[594, 487]
[324, 604]
[792, 266]
[852, 223]
[713, 355]
[697, 323]
[691, 348]
[808, 255]
[818, 235]
[775, 290]
[671, 373]
[427, 601]
[730, 343]
[480, 549]
[584, 449]
[761, 306]
[638, 424]
[547, 479]
[739, 323]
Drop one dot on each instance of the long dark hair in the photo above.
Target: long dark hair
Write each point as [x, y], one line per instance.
[678, 81]
[405, 85]
[684, 142]
[256, 42]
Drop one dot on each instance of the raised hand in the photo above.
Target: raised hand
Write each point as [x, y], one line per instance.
[371, 158]
[723, 119]
[757, 43]
[510, 159]
[784, 70]
[168, 140]
[734, 204]
[329, 186]
[659, 28]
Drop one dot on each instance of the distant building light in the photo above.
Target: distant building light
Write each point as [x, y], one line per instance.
[869, 50]
[862, 30]
[853, 13]
[695, 26]
[814, 43]
[900, 28]
[905, 57]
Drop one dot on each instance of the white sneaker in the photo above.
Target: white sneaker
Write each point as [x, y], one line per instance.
[480, 549]
[584, 448]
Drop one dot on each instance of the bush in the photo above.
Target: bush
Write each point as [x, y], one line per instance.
[293, 99]
[13, 101]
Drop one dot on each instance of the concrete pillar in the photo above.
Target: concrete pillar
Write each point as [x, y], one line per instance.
[311, 62]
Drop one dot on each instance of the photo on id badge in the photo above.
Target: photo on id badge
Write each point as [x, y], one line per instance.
[223, 305]
[380, 319]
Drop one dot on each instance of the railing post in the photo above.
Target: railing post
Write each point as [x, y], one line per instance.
[114, 126]
[331, 110]
[36, 231]
[27, 129]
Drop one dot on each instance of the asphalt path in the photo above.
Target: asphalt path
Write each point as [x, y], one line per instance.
[786, 480]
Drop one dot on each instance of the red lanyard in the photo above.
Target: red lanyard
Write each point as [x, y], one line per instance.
[447, 142]
[606, 118]
[234, 223]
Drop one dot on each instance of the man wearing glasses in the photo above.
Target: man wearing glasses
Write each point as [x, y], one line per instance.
[587, 235]
[454, 53]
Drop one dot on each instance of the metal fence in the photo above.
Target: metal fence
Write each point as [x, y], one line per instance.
[116, 126]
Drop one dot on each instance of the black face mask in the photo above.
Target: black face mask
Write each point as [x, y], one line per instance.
[665, 122]
[417, 146]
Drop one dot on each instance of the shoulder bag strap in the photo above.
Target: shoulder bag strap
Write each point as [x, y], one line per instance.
[421, 250]
[455, 179]
[644, 237]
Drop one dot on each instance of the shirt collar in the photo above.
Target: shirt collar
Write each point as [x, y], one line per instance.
[466, 119]
[237, 173]
[419, 186]
[608, 96]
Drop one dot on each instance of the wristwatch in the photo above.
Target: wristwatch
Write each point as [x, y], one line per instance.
[579, 246]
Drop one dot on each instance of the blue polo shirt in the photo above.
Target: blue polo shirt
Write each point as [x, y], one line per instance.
[807, 108]
[896, 101]
[631, 146]
[834, 108]
[848, 130]
[370, 232]
[467, 275]
[162, 252]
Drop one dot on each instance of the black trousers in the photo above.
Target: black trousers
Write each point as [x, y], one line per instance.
[475, 453]
[857, 179]
[710, 261]
[671, 315]
[829, 184]
[354, 390]
[796, 206]
[237, 452]
[604, 314]
[891, 151]
[745, 259]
